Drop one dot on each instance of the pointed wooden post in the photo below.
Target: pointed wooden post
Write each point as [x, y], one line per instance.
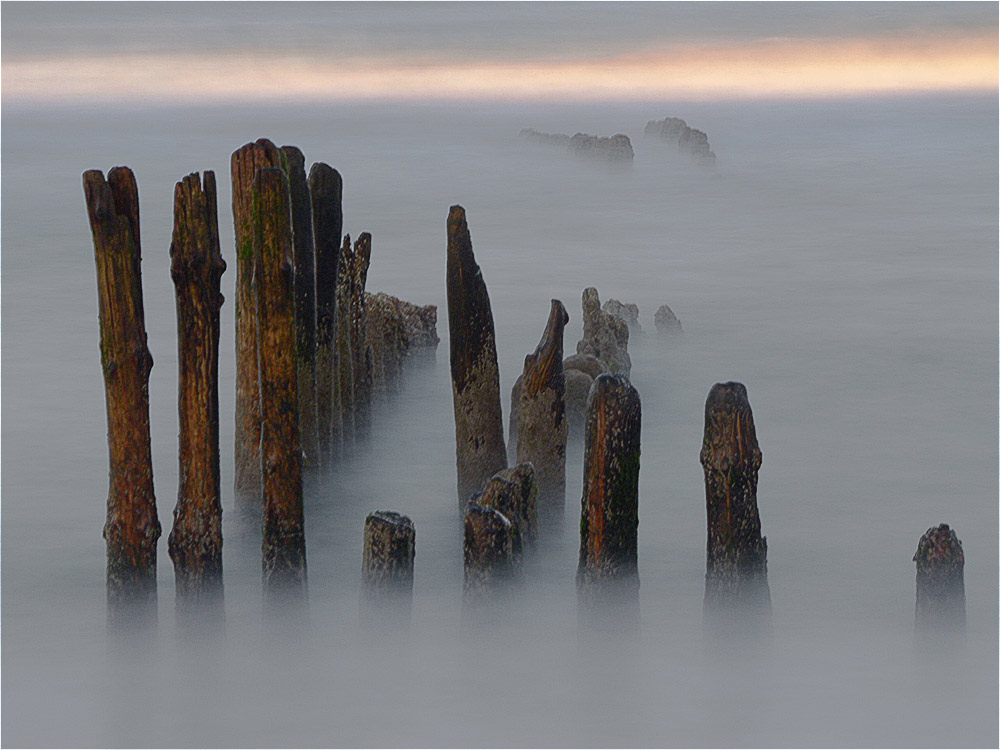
[541, 416]
[326, 189]
[195, 542]
[132, 528]
[344, 363]
[361, 357]
[284, 544]
[244, 165]
[736, 570]
[475, 377]
[940, 610]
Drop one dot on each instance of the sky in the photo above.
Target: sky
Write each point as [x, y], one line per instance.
[217, 52]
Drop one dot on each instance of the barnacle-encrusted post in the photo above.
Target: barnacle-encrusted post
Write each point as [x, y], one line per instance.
[489, 552]
[387, 569]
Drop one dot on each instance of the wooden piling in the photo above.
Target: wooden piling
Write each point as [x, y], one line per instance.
[195, 542]
[284, 547]
[361, 357]
[387, 569]
[475, 377]
[523, 475]
[132, 528]
[326, 189]
[344, 363]
[244, 164]
[305, 303]
[541, 415]
[940, 608]
[506, 497]
[488, 551]
[736, 569]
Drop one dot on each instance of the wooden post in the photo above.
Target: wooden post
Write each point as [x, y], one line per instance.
[344, 364]
[609, 521]
[523, 475]
[387, 570]
[475, 377]
[132, 528]
[736, 569]
[541, 415]
[359, 350]
[284, 545]
[305, 302]
[326, 189]
[244, 165]
[505, 496]
[488, 551]
[195, 542]
[940, 609]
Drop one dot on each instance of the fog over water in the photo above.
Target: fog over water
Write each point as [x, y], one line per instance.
[841, 261]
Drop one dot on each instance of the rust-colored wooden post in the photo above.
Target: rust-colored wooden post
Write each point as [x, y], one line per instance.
[387, 568]
[736, 570]
[244, 164]
[284, 543]
[344, 363]
[475, 377]
[541, 416]
[195, 542]
[326, 188]
[609, 520]
[359, 324]
[940, 609]
[305, 302]
[132, 528]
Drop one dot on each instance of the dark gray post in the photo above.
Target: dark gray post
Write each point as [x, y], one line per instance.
[940, 609]
[523, 475]
[387, 569]
[488, 551]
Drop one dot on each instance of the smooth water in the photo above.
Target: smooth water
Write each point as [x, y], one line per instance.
[841, 261]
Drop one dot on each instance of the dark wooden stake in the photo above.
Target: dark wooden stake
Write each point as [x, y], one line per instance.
[344, 361]
[361, 357]
[195, 542]
[541, 416]
[284, 544]
[326, 189]
[132, 528]
[506, 497]
[736, 571]
[387, 343]
[387, 570]
[940, 609]
[243, 166]
[489, 551]
[475, 377]
[523, 475]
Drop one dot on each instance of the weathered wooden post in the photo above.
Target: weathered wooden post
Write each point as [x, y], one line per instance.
[506, 497]
[305, 302]
[387, 569]
[244, 164]
[523, 475]
[940, 609]
[489, 552]
[359, 350]
[736, 570]
[326, 189]
[344, 363]
[284, 543]
[475, 377]
[608, 572]
[541, 416]
[195, 542]
[132, 528]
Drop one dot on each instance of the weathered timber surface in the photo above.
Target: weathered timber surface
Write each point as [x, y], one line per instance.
[195, 541]
[541, 416]
[132, 528]
[587, 364]
[506, 497]
[605, 336]
[244, 164]
[326, 189]
[305, 302]
[387, 342]
[523, 475]
[488, 551]
[359, 325]
[475, 377]
[940, 608]
[578, 385]
[736, 569]
[387, 568]
[344, 363]
[284, 546]
[627, 311]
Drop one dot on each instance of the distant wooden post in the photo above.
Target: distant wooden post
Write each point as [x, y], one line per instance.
[940, 610]
[244, 165]
[344, 363]
[132, 527]
[475, 377]
[387, 571]
[195, 542]
[305, 302]
[609, 523]
[359, 327]
[489, 551]
[541, 415]
[736, 570]
[326, 189]
[284, 545]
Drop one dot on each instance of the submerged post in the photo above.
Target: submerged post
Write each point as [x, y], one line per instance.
[387, 570]
[132, 528]
[541, 417]
[475, 377]
[326, 190]
[506, 497]
[940, 609]
[608, 571]
[523, 475]
[489, 552]
[195, 542]
[284, 544]
[244, 164]
[736, 569]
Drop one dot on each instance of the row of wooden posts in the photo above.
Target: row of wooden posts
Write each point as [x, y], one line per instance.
[305, 376]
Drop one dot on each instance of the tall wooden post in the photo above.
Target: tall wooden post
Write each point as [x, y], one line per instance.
[326, 189]
[244, 165]
[132, 528]
[475, 377]
[940, 610]
[344, 363]
[195, 541]
[284, 544]
[359, 326]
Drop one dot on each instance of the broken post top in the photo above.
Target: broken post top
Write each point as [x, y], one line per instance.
[391, 520]
[730, 439]
[111, 203]
[546, 361]
[194, 246]
[939, 548]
